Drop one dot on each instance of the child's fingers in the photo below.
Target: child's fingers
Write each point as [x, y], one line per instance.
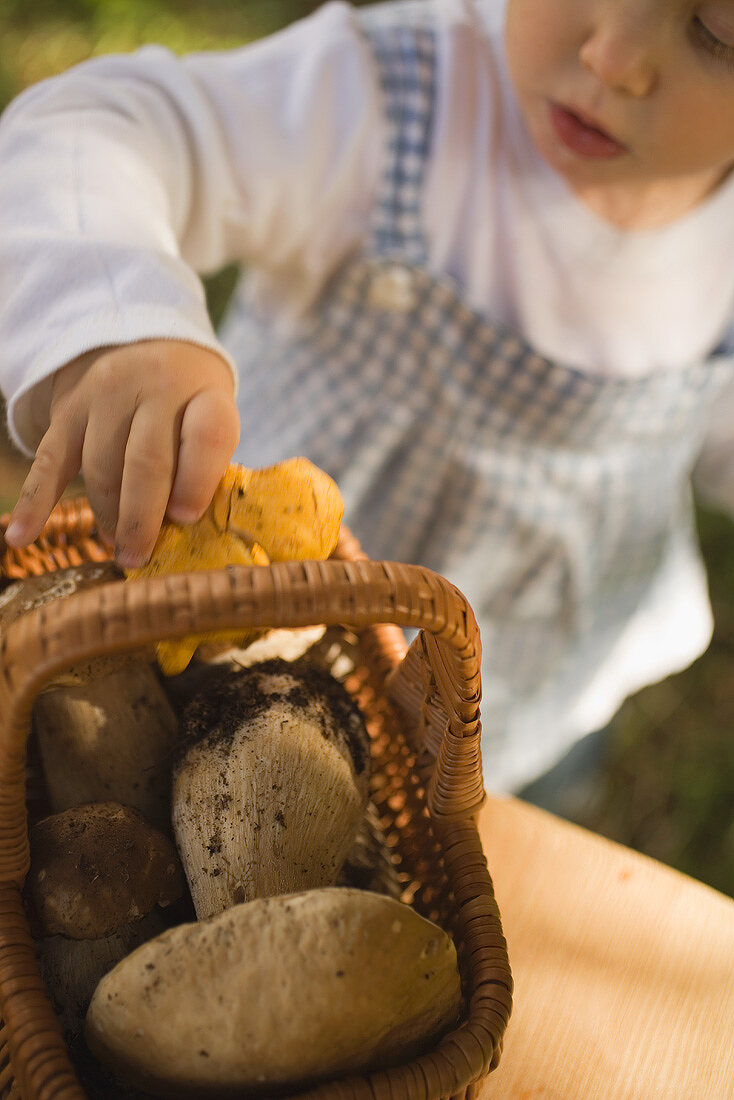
[57, 461]
[103, 457]
[210, 431]
[150, 459]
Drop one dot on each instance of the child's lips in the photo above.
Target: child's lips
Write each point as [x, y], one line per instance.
[582, 135]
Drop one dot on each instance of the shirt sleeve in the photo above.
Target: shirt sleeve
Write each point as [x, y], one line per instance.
[126, 177]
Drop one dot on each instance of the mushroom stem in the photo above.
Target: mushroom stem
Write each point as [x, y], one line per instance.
[105, 728]
[271, 786]
[110, 738]
[72, 969]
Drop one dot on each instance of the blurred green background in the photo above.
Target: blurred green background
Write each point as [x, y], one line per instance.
[668, 783]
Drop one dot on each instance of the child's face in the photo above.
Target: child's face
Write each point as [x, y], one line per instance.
[626, 92]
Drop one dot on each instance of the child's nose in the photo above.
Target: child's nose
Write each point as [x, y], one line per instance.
[621, 49]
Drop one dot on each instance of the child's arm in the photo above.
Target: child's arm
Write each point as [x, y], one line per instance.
[152, 427]
[119, 182]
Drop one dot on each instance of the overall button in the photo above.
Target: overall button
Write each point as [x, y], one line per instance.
[393, 288]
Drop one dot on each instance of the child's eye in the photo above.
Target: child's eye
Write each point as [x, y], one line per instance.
[706, 38]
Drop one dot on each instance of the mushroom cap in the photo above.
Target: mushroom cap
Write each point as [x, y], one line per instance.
[33, 592]
[234, 697]
[97, 867]
[21, 596]
[277, 992]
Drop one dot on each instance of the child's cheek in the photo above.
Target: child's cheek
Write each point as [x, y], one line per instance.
[543, 38]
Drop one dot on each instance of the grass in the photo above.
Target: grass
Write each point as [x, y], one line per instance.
[668, 782]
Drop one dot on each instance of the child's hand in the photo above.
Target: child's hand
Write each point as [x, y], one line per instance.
[152, 427]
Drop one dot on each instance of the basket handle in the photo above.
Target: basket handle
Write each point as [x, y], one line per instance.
[418, 680]
[123, 616]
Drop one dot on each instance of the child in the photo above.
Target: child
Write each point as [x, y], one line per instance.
[489, 290]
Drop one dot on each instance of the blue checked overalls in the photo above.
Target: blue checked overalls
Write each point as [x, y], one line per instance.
[549, 496]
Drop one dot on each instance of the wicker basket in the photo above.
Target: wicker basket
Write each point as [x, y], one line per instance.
[422, 710]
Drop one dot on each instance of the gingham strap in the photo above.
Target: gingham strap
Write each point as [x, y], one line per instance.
[404, 47]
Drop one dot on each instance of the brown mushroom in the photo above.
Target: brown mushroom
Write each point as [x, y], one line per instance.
[72, 969]
[35, 591]
[105, 730]
[277, 993]
[98, 878]
[271, 784]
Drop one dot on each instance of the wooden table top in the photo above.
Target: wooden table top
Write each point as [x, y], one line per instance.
[623, 968]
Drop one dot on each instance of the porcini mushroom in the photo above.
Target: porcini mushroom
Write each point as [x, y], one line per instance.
[271, 784]
[99, 875]
[34, 591]
[277, 992]
[105, 730]
[111, 737]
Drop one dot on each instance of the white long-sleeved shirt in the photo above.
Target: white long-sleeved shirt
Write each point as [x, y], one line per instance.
[125, 177]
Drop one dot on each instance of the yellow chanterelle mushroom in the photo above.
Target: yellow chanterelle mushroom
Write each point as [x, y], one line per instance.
[288, 512]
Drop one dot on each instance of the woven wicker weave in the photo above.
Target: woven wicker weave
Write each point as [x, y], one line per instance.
[422, 711]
